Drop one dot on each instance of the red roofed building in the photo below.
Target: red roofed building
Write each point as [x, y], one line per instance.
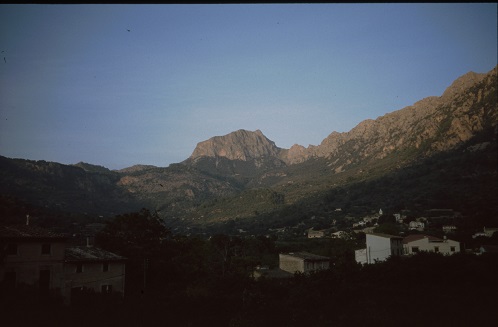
[416, 243]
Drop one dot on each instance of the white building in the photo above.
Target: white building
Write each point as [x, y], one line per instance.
[416, 225]
[379, 248]
[361, 256]
[417, 243]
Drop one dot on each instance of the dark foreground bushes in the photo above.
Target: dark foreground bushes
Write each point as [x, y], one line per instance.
[424, 290]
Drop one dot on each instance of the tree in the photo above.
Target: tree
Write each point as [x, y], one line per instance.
[384, 219]
[134, 234]
[388, 228]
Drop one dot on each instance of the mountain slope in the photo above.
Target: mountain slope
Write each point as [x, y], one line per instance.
[244, 174]
[430, 125]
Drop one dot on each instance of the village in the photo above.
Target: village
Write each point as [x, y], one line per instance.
[52, 262]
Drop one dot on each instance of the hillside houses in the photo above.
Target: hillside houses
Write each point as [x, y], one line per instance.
[487, 232]
[416, 225]
[379, 247]
[316, 233]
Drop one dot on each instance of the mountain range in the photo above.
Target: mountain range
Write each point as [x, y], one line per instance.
[243, 176]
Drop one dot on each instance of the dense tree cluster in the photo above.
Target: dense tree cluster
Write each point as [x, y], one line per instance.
[192, 281]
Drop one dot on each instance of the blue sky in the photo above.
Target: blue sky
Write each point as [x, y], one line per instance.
[76, 85]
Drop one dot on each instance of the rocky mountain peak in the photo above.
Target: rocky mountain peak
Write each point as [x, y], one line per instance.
[239, 145]
[462, 83]
[431, 124]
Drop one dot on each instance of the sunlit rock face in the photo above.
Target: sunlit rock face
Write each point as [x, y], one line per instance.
[240, 145]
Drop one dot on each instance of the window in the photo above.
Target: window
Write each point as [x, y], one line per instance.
[436, 249]
[452, 249]
[46, 248]
[79, 268]
[105, 267]
[414, 249]
[106, 288]
[11, 249]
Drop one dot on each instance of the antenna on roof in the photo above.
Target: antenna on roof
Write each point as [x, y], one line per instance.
[27, 220]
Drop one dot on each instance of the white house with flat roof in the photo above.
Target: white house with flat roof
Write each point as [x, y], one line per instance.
[379, 248]
[418, 243]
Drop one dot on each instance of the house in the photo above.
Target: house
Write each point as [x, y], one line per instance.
[487, 232]
[91, 268]
[341, 234]
[316, 233]
[359, 224]
[490, 231]
[38, 257]
[379, 248]
[32, 256]
[417, 243]
[303, 262]
[361, 256]
[449, 228]
[416, 225]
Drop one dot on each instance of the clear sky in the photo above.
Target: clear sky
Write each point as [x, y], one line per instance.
[118, 85]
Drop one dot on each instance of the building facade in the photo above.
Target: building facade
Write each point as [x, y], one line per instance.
[41, 259]
[303, 262]
[32, 256]
[379, 248]
[417, 243]
[91, 268]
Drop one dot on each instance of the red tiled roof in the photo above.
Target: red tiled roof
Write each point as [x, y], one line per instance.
[26, 232]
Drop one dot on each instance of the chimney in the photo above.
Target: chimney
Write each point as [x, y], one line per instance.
[27, 220]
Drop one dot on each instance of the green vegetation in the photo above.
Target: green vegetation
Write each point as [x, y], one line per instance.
[463, 179]
[191, 281]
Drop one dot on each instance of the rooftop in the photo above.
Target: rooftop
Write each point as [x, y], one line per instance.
[416, 237]
[85, 253]
[27, 232]
[385, 235]
[307, 256]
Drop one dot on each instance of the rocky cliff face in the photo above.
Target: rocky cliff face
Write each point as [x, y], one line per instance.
[240, 145]
[432, 124]
[226, 165]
